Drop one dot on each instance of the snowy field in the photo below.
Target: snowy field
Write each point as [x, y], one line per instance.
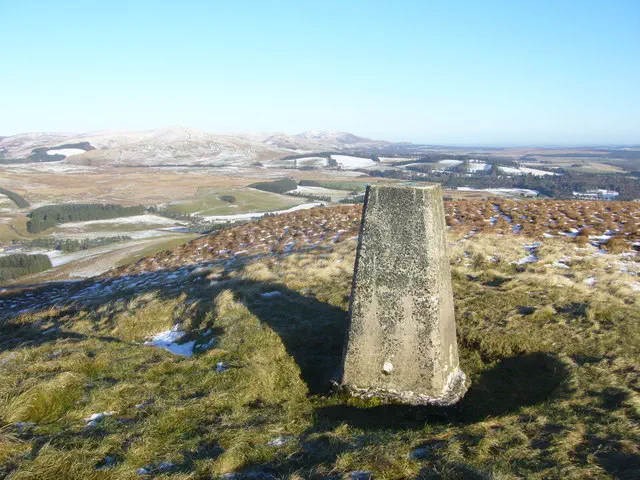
[396, 159]
[525, 171]
[520, 192]
[133, 220]
[537, 172]
[326, 192]
[67, 152]
[249, 216]
[134, 234]
[450, 163]
[314, 190]
[311, 162]
[478, 166]
[351, 163]
[47, 167]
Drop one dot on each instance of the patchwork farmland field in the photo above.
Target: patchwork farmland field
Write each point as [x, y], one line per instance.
[210, 201]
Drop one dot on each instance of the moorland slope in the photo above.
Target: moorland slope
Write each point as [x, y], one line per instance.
[215, 359]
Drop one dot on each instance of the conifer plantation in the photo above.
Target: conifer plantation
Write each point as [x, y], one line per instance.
[48, 216]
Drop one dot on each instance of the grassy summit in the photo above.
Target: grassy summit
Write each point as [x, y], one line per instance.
[553, 353]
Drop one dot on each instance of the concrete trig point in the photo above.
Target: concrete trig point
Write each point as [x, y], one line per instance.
[402, 336]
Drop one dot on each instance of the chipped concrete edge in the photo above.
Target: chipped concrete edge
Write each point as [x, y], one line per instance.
[455, 388]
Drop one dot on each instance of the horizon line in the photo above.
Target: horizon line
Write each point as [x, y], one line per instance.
[492, 145]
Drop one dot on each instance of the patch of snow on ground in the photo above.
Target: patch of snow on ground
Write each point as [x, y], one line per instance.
[168, 339]
[221, 367]
[527, 259]
[50, 167]
[523, 192]
[96, 418]
[249, 216]
[135, 235]
[511, 170]
[302, 159]
[311, 161]
[395, 159]
[532, 257]
[635, 286]
[67, 152]
[478, 166]
[351, 163]
[535, 171]
[525, 171]
[450, 163]
[275, 293]
[313, 190]
[600, 238]
[135, 219]
[279, 441]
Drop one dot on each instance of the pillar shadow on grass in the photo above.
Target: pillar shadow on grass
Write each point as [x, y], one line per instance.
[314, 332]
[511, 384]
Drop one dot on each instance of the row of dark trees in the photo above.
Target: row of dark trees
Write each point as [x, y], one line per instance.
[20, 201]
[48, 216]
[310, 196]
[19, 264]
[553, 186]
[334, 184]
[277, 186]
[70, 245]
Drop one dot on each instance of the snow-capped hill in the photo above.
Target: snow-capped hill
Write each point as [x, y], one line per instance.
[283, 141]
[22, 144]
[335, 137]
[183, 146]
[108, 139]
[340, 140]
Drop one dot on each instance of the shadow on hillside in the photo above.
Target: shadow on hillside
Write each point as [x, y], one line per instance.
[313, 333]
[515, 382]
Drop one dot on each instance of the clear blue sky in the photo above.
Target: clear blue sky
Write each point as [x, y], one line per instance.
[512, 72]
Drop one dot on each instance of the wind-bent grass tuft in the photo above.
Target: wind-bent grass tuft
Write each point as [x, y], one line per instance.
[44, 402]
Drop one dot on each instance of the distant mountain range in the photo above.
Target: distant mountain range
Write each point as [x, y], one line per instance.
[181, 146]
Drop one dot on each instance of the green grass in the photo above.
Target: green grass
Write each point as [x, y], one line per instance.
[17, 265]
[7, 233]
[554, 374]
[207, 202]
[336, 185]
[335, 194]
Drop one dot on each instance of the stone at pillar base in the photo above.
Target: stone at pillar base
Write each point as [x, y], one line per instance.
[453, 392]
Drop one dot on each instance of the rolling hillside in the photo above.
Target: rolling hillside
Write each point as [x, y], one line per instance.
[215, 360]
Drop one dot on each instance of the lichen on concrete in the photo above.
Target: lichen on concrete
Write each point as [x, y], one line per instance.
[402, 334]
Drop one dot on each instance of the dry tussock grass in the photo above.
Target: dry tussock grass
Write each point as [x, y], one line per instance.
[553, 361]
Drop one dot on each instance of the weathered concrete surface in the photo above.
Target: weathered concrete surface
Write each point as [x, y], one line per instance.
[402, 336]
